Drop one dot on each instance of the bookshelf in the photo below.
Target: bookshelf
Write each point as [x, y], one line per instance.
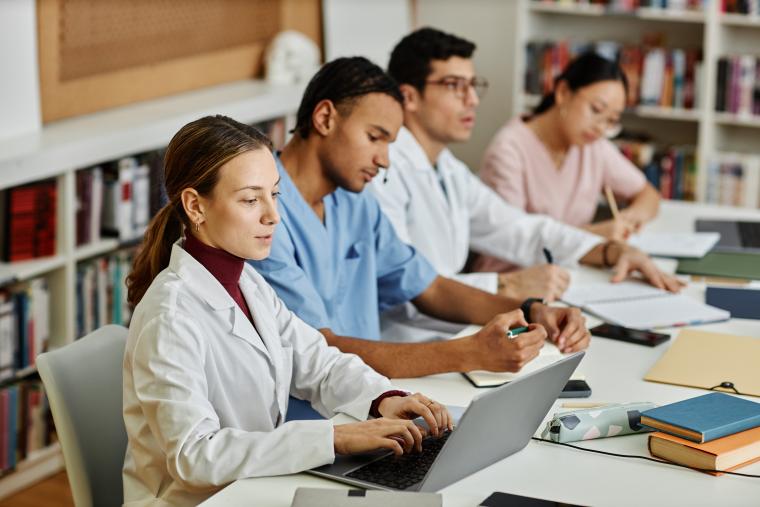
[62, 148]
[714, 32]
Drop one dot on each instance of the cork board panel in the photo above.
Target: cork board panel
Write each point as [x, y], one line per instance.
[97, 54]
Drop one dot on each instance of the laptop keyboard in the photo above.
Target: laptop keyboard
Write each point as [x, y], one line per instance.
[749, 232]
[400, 472]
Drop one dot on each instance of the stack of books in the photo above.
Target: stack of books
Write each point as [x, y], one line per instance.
[28, 221]
[89, 205]
[101, 292]
[738, 89]
[715, 432]
[26, 426]
[24, 326]
[657, 76]
[626, 6]
[740, 6]
[733, 179]
[670, 169]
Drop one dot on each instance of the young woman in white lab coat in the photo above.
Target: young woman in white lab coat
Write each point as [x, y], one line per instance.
[213, 354]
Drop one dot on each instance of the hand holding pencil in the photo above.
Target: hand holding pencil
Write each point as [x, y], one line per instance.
[623, 226]
[620, 227]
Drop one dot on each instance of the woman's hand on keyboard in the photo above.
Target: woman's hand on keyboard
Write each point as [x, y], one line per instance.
[416, 405]
[398, 435]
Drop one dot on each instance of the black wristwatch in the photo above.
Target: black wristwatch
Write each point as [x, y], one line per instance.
[525, 307]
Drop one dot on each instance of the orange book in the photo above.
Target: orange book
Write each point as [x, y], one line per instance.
[727, 453]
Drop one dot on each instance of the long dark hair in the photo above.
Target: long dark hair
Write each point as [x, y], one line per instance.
[193, 159]
[585, 70]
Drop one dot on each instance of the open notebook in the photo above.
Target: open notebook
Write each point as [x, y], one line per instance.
[640, 306]
[549, 354]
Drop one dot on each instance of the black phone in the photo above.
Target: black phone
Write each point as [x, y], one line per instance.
[576, 389]
[626, 334]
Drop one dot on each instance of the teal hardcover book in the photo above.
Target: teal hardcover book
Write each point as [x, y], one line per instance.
[704, 418]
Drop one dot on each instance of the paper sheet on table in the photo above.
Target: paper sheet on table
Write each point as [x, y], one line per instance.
[676, 244]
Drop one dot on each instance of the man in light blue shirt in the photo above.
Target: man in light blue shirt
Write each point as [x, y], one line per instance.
[359, 267]
[336, 261]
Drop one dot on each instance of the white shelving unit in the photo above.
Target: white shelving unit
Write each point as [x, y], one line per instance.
[716, 33]
[64, 147]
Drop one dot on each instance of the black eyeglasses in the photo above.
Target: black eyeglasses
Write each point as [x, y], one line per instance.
[460, 85]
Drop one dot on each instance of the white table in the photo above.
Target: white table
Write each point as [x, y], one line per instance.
[615, 371]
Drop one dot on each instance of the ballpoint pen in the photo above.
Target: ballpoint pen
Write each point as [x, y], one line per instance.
[548, 255]
[512, 333]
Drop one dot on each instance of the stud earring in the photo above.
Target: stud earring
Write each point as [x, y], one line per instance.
[197, 226]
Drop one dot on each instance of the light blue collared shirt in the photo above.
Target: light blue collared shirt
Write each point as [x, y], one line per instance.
[342, 273]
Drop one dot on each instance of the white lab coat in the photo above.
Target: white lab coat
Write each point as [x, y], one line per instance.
[206, 392]
[445, 211]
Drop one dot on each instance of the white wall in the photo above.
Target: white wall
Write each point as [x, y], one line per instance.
[367, 28]
[19, 81]
[490, 24]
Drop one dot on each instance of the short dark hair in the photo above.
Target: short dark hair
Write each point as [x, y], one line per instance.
[410, 59]
[588, 68]
[342, 81]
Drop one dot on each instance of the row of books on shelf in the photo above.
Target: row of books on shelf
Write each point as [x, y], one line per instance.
[738, 87]
[101, 293]
[113, 199]
[24, 326]
[733, 179]
[657, 76]
[670, 169]
[28, 221]
[26, 425]
[118, 199]
[713, 433]
[632, 5]
[740, 6]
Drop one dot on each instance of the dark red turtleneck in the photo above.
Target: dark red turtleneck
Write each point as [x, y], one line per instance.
[225, 267]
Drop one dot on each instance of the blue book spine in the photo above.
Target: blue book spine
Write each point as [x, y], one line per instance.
[22, 307]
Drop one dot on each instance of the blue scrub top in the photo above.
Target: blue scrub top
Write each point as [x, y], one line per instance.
[342, 273]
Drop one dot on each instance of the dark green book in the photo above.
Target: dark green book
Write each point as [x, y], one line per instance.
[727, 264]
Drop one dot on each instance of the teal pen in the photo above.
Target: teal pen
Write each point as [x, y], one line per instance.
[512, 333]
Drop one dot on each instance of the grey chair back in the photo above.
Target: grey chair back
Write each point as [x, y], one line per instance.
[83, 383]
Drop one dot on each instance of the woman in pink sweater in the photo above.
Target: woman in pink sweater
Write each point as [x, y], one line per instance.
[558, 161]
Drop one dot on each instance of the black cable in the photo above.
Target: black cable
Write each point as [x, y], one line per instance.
[636, 456]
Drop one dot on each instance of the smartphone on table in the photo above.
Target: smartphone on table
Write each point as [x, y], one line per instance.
[626, 334]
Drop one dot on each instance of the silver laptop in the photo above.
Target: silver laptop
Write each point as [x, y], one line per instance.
[496, 424]
[735, 235]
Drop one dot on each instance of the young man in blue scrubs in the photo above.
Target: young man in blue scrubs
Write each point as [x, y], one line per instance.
[337, 262]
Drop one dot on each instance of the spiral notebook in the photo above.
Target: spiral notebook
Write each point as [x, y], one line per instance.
[640, 306]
